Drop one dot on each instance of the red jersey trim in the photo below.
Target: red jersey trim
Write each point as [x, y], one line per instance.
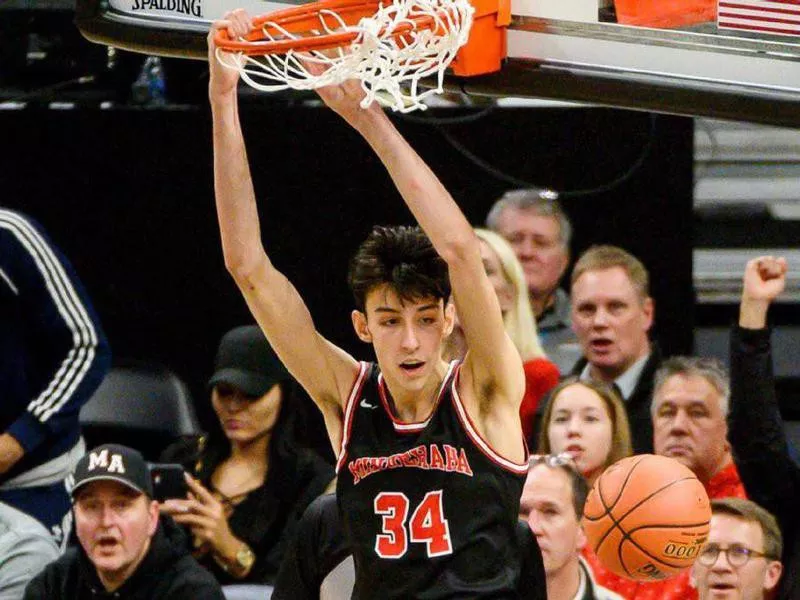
[477, 439]
[349, 409]
[415, 427]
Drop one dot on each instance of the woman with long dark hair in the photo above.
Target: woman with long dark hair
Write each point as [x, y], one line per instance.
[251, 477]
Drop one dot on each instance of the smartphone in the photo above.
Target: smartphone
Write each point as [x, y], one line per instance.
[168, 481]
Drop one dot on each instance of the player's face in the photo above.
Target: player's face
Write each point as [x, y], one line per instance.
[546, 504]
[536, 240]
[723, 581]
[244, 418]
[407, 335]
[580, 425]
[611, 320]
[689, 425]
[494, 271]
[114, 525]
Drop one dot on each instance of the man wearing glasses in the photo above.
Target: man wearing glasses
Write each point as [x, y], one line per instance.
[741, 559]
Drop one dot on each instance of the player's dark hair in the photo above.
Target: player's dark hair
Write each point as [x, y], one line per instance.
[404, 258]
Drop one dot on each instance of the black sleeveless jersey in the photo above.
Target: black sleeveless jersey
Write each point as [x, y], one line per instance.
[429, 508]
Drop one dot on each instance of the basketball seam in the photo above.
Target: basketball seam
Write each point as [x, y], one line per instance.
[668, 526]
[659, 490]
[627, 535]
[613, 504]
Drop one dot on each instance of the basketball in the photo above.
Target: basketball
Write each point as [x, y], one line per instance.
[647, 517]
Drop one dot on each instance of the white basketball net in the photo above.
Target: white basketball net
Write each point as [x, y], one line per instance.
[389, 68]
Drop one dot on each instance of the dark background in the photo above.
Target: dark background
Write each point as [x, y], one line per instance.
[128, 195]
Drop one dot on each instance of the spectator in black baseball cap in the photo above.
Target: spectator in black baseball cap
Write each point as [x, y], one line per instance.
[253, 476]
[126, 550]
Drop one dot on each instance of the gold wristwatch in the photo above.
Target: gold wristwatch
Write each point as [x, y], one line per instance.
[245, 557]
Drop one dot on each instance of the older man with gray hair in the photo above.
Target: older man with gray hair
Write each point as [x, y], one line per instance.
[689, 411]
[538, 229]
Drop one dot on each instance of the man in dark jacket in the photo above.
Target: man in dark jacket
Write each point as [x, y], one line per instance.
[126, 551]
[770, 476]
[612, 313]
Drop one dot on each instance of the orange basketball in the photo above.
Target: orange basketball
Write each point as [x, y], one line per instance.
[646, 517]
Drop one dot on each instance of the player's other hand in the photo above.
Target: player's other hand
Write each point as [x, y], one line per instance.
[764, 279]
[223, 80]
[345, 99]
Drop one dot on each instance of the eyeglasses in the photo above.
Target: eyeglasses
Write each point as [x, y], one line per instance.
[563, 459]
[736, 554]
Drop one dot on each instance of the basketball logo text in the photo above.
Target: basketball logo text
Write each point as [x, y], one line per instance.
[678, 550]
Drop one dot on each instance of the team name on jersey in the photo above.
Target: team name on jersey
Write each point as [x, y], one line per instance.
[450, 459]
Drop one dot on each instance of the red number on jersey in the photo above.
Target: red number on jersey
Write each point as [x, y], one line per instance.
[427, 525]
[393, 507]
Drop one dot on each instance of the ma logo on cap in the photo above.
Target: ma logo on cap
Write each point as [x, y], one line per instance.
[101, 460]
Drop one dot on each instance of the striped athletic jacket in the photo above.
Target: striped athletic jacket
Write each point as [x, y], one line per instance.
[53, 353]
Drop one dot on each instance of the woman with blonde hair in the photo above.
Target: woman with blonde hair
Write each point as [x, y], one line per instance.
[506, 275]
[587, 420]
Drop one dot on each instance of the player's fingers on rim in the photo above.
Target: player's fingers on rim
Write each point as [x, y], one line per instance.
[241, 22]
[215, 27]
[235, 25]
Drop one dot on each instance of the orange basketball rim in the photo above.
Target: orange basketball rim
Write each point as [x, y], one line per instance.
[329, 24]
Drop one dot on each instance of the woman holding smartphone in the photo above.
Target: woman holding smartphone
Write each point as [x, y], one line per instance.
[250, 478]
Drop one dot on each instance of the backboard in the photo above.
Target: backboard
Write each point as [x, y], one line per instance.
[695, 57]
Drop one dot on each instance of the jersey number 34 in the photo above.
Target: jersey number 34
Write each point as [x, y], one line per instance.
[427, 525]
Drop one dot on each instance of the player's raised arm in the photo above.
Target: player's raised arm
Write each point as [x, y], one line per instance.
[324, 370]
[492, 360]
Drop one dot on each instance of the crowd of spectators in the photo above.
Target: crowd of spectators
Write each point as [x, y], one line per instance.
[256, 506]
[250, 514]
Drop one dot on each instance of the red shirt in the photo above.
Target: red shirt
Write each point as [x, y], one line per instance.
[541, 376]
[724, 484]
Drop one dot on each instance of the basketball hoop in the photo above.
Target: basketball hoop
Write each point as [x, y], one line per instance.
[389, 47]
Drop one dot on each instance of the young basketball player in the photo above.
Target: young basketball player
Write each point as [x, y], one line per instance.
[431, 458]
